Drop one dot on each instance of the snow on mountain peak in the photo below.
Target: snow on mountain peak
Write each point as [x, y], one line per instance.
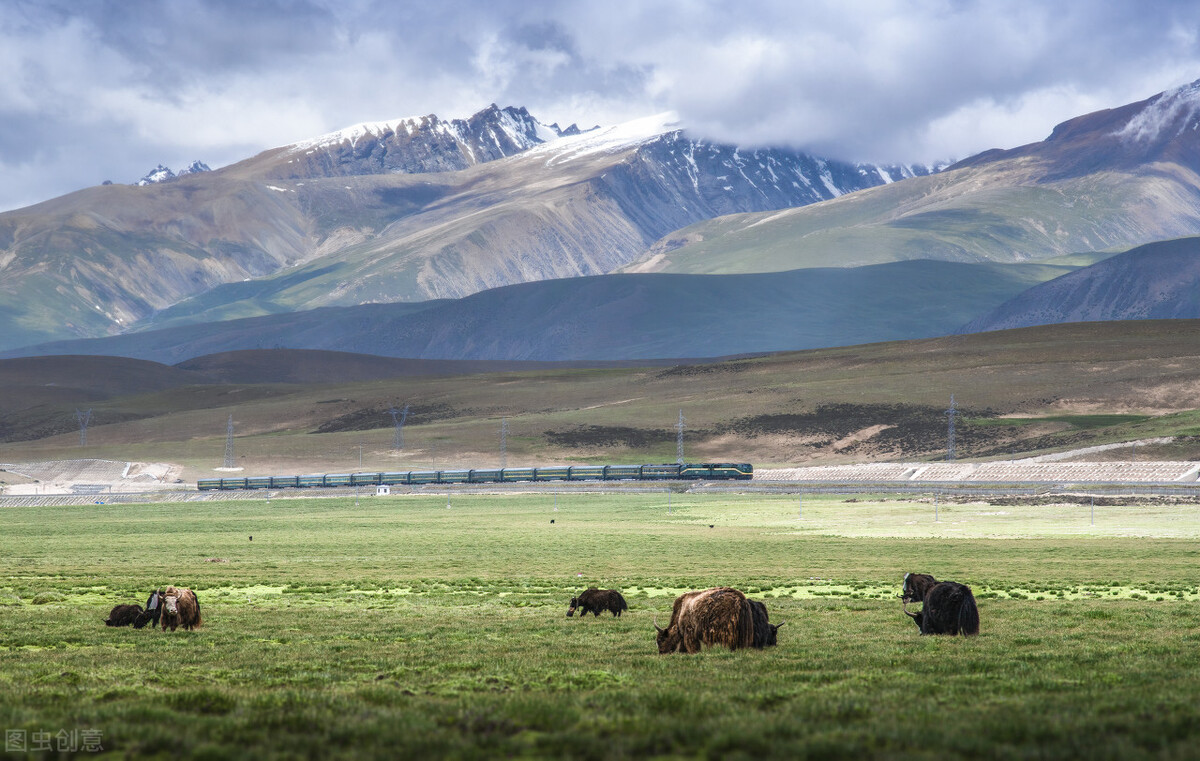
[356, 132]
[516, 124]
[161, 173]
[1173, 110]
[613, 139]
[193, 168]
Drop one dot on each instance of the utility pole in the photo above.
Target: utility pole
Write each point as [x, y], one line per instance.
[679, 439]
[503, 443]
[398, 436]
[230, 460]
[84, 418]
[951, 413]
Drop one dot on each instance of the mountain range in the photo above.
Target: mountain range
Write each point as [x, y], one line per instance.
[497, 236]
[400, 211]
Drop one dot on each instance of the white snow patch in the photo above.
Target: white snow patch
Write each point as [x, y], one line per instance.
[357, 132]
[1181, 104]
[281, 190]
[614, 139]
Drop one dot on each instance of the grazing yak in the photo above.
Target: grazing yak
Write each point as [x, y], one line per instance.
[152, 612]
[947, 607]
[123, 615]
[180, 608]
[712, 617]
[765, 633]
[597, 601]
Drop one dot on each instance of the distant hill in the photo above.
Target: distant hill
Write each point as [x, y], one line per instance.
[401, 211]
[1106, 181]
[1155, 281]
[620, 317]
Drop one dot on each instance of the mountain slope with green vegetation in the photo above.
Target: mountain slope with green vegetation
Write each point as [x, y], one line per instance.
[620, 317]
[1032, 390]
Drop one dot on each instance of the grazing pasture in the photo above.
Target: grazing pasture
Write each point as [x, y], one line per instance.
[404, 628]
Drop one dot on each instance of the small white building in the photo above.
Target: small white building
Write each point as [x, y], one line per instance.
[382, 490]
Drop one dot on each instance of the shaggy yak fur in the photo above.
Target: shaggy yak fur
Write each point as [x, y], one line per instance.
[152, 612]
[180, 608]
[947, 607]
[765, 633]
[596, 601]
[717, 616]
[123, 615]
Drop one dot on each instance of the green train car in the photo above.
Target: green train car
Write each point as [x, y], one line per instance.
[707, 471]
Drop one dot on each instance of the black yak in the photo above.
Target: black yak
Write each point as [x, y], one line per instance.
[152, 612]
[123, 615]
[765, 633]
[947, 607]
[596, 601]
[180, 608]
[717, 616]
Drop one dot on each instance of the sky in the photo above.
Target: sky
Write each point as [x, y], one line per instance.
[101, 90]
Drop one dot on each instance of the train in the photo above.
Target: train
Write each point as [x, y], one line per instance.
[706, 471]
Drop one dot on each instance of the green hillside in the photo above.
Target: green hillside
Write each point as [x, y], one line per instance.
[620, 316]
[980, 213]
[1020, 391]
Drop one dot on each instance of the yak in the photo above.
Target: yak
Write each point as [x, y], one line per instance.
[152, 612]
[765, 633]
[947, 607]
[597, 601]
[123, 615]
[180, 608]
[717, 616]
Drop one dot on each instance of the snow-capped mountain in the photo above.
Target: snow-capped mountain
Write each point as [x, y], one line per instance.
[161, 173]
[723, 178]
[422, 208]
[419, 144]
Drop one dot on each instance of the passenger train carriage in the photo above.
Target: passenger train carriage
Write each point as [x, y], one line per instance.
[709, 471]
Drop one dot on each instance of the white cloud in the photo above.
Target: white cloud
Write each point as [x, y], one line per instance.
[109, 88]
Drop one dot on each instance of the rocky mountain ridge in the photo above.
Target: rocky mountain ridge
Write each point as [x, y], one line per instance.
[404, 210]
[1110, 180]
[162, 173]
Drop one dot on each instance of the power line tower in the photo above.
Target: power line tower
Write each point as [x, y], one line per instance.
[504, 442]
[230, 460]
[83, 418]
[398, 422]
[951, 414]
[679, 439]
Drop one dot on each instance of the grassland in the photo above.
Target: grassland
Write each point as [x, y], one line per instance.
[410, 627]
[1023, 391]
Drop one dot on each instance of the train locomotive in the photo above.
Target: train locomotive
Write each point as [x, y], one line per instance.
[708, 471]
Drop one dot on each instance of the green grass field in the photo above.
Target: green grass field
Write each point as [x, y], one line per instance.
[410, 627]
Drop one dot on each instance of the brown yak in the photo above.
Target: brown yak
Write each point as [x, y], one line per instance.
[947, 607]
[717, 616]
[766, 634]
[596, 601]
[180, 608]
[123, 615]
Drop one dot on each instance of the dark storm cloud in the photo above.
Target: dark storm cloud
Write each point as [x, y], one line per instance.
[108, 88]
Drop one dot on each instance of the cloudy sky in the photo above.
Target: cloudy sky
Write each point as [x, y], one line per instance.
[105, 89]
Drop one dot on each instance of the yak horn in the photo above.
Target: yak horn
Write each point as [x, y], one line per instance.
[781, 623]
[656, 628]
[904, 604]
